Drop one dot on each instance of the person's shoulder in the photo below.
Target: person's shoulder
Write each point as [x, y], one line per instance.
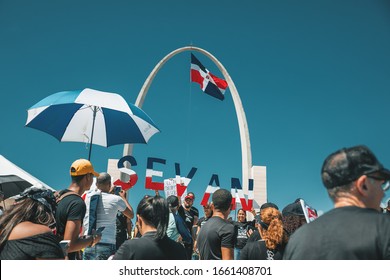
[112, 197]
[28, 229]
[194, 210]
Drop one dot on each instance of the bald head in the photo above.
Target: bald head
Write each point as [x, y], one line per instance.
[103, 182]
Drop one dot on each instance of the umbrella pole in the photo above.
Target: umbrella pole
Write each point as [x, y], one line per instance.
[93, 127]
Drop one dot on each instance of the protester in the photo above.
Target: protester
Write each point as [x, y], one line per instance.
[242, 230]
[216, 238]
[190, 215]
[26, 229]
[254, 234]
[153, 217]
[177, 229]
[172, 231]
[355, 229]
[208, 212]
[273, 238]
[102, 209]
[124, 228]
[71, 209]
[293, 217]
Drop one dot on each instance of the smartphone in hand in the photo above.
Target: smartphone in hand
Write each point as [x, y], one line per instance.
[99, 230]
[64, 244]
[117, 190]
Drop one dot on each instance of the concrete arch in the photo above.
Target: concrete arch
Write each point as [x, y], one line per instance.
[242, 123]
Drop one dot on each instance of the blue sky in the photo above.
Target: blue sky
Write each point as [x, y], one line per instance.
[313, 76]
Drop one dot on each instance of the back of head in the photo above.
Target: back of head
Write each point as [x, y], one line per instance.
[273, 232]
[267, 205]
[293, 209]
[173, 201]
[293, 217]
[222, 200]
[154, 211]
[36, 205]
[348, 164]
[103, 182]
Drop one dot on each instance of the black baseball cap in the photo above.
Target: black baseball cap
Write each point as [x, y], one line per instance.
[293, 209]
[348, 164]
[173, 201]
[269, 205]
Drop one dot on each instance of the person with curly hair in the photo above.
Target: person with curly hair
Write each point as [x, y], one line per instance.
[26, 229]
[273, 238]
[293, 217]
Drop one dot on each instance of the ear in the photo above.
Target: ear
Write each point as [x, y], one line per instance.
[361, 185]
[140, 223]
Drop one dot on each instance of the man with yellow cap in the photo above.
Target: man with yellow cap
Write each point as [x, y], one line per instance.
[71, 208]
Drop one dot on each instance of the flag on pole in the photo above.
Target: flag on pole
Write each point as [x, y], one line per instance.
[209, 83]
[310, 212]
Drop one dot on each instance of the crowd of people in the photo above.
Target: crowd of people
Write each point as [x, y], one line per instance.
[84, 223]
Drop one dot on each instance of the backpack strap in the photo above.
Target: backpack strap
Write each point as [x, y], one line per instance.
[62, 194]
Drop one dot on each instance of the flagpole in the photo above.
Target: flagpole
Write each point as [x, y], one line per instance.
[240, 113]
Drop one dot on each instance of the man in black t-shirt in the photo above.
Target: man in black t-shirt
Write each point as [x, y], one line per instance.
[190, 216]
[216, 238]
[354, 229]
[71, 208]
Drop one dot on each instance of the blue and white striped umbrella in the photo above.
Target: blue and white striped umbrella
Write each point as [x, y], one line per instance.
[91, 116]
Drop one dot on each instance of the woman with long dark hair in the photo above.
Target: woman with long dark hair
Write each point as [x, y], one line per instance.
[152, 221]
[26, 229]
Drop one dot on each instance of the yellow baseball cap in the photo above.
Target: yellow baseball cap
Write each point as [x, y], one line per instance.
[82, 167]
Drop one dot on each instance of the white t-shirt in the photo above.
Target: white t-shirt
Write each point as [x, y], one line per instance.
[107, 209]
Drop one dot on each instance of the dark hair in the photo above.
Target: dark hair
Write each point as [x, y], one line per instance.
[191, 193]
[26, 210]
[155, 212]
[172, 201]
[77, 179]
[292, 223]
[222, 199]
[238, 211]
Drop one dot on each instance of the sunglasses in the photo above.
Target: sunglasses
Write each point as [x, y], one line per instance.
[385, 185]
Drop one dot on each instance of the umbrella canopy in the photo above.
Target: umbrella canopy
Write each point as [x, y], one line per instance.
[91, 116]
[12, 185]
[9, 168]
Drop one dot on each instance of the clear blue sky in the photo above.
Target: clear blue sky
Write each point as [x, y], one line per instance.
[313, 76]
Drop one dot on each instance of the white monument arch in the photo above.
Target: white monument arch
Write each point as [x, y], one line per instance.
[257, 173]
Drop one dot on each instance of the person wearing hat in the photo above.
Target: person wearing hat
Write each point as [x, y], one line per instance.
[272, 240]
[190, 216]
[71, 208]
[293, 217]
[177, 229]
[355, 229]
[27, 229]
[254, 233]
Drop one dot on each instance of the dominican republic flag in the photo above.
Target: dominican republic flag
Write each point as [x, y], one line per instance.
[310, 212]
[209, 83]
